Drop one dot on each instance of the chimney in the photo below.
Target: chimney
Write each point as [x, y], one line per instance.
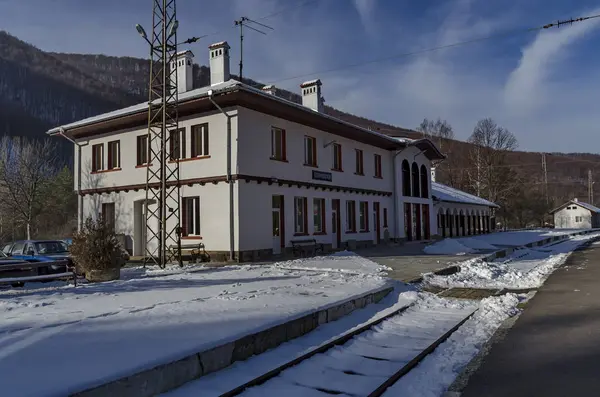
[575, 199]
[185, 71]
[270, 89]
[311, 95]
[432, 174]
[219, 62]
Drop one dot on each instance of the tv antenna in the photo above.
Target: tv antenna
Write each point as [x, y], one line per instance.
[245, 21]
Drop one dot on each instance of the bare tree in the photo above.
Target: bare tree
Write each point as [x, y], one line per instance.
[438, 131]
[490, 174]
[26, 167]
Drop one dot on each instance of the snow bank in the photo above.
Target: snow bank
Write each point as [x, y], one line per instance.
[524, 268]
[478, 244]
[344, 261]
[447, 247]
[433, 376]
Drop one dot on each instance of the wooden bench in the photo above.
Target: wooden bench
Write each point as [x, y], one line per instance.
[31, 273]
[304, 246]
[196, 250]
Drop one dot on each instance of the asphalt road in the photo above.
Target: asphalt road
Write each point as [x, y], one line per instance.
[554, 347]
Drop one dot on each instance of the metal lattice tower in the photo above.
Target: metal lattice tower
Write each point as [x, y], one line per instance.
[162, 179]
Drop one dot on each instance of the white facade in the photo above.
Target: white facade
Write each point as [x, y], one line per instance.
[576, 215]
[291, 179]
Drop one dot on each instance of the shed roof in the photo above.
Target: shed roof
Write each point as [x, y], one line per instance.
[585, 205]
[442, 192]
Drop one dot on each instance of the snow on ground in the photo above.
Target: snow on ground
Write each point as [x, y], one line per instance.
[217, 383]
[343, 261]
[433, 376]
[448, 247]
[102, 332]
[524, 268]
[477, 244]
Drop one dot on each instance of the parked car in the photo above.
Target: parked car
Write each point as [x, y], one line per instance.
[42, 251]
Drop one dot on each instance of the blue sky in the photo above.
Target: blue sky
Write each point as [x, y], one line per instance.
[544, 87]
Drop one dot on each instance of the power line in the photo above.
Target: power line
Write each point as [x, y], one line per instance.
[442, 47]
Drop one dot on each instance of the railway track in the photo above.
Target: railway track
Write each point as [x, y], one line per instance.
[366, 361]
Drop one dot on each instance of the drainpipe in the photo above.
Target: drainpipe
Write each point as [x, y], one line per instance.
[61, 132]
[229, 178]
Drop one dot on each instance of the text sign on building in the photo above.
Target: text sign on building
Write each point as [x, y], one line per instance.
[322, 176]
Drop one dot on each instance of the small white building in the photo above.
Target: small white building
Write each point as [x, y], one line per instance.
[460, 213]
[296, 172]
[576, 214]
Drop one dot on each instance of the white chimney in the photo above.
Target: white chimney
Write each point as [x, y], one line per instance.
[270, 89]
[185, 71]
[219, 62]
[311, 95]
[432, 174]
[575, 199]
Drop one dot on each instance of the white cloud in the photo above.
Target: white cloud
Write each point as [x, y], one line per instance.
[365, 9]
[525, 88]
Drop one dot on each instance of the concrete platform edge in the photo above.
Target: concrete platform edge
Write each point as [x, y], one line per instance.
[169, 376]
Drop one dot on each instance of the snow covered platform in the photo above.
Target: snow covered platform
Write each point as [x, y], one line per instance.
[157, 329]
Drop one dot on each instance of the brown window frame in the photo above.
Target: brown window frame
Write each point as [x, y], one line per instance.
[377, 160]
[110, 220]
[199, 136]
[111, 163]
[350, 216]
[336, 154]
[319, 228]
[363, 215]
[310, 162]
[360, 170]
[139, 143]
[187, 223]
[181, 144]
[385, 217]
[279, 154]
[96, 167]
[303, 202]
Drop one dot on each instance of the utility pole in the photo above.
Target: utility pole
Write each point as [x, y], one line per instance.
[545, 170]
[590, 188]
[161, 205]
[243, 21]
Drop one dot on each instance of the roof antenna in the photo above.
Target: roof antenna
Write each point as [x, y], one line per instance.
[243, 21]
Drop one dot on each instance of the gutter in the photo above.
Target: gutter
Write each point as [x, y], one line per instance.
[61, 132]
[395, 195]
[229, 179]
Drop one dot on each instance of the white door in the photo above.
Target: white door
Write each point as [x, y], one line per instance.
[334, 227]
[276, 214]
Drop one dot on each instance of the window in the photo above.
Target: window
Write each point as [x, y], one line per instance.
[310, 151]
[114, 155]
[98, 157]
[385, 222]
[363, 216]
[405, 178]
[143, 150]
[199, 140]
[377, 159]
[415, 181]
[337, 157]
[190, 217]
[578, 219]
[108, 215]
[359, 162]
[350, 216]
[278, 144]
[300, 218]
[177, 144]
[424, 182]
[319, 215]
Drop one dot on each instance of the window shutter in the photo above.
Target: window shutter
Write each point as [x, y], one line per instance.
[110, 152]
[184, 223]
[205, 140]
[94, 167]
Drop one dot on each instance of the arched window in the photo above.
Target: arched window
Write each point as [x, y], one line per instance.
[415, 180]
[424, 182]
[405, 178]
